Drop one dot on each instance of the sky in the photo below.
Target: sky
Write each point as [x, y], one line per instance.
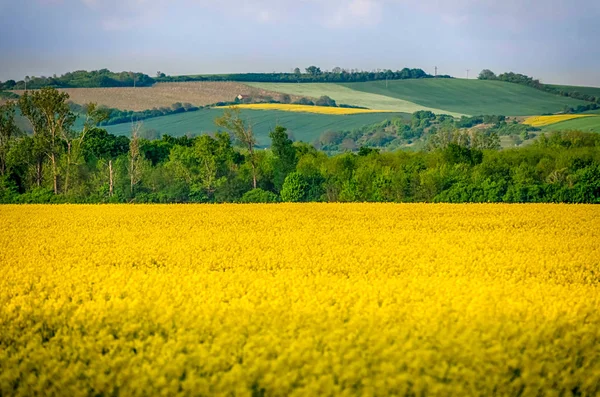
[556, 41]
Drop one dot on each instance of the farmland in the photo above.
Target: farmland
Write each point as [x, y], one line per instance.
[345, 95]
[313, 299]
[163, 94]
[593, 91]
[308, 109]
[541, 121]
[472, 97]
[303, 126]
[590, 124]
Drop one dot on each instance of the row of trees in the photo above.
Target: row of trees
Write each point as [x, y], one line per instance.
[106, 78]
[522, 79]
[81, 79]
[60, 163]
[312, 74]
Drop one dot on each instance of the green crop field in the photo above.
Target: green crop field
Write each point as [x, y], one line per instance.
[345, 95]
[474, 97]
[590, 124]
[594, 91]
[303, 126]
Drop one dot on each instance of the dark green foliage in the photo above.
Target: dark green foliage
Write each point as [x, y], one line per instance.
[566, 91]
[259, 196]
[313, 74]
[462, 163]
[100, 144]
[8, 95]
[295, 188]
[285, 156]
[83, 79]
[325, 101]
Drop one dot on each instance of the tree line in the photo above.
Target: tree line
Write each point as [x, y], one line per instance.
[522, 79]
[312, 74]
[106, 78]
[60, 163]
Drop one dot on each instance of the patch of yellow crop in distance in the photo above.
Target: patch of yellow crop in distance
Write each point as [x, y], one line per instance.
[309, 108]
[541, 121]
[300, 299]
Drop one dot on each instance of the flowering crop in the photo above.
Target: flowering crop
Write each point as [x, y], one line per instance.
[309, 108]
[541, 121]
[300, 299]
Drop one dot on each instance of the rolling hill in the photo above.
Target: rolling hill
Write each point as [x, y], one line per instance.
[473, 97]
[587, 124]
[593, 91]
[346, 95]
[303, 126]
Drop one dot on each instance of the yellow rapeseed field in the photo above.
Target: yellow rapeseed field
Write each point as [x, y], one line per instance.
[541, 121]
[300, 299]
[308, 108]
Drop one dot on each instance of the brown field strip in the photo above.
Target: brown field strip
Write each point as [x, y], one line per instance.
[165, 94]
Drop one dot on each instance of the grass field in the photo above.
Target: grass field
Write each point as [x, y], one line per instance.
[164, 94]
[589, 124]
[345, 95]
[594, 91]
[541, 121]
[307, 108]
[305, 299]
[303, 126]
[473, 97]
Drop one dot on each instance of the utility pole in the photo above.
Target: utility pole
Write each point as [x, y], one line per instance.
[468, 70]
[435, 72]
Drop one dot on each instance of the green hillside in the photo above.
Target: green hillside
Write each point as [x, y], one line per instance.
[590, 124]
[472, 97]
[303, 126]
[345, 95]
[593, 91]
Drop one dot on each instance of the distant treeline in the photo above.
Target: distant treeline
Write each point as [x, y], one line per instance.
[313, 74]
[61, 163]
[82, 79]
[106, 78]
[522, 79]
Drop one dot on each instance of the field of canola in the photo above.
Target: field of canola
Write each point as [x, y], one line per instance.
[307, 108]
[314, 299]
[541, 121]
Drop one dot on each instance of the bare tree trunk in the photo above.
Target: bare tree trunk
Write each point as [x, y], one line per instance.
[54, 173]
[110, 178]
[253, 173]
[39, 172]
[68, 167]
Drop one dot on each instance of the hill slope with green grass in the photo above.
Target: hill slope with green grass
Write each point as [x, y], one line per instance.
[593, 91]
[587, 124]
[302, 126]
[348, 96]
[474, 97]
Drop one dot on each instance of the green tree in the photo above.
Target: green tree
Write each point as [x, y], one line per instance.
[294, 188]
[75, 140]
[259, 196]
[285, 155]
[314, 71]
[50, 115]
[233, 122]
[8, 132]
[325, 101]
[135, 159]
[487, 74]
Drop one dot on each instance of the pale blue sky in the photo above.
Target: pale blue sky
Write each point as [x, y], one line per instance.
[554, 40]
